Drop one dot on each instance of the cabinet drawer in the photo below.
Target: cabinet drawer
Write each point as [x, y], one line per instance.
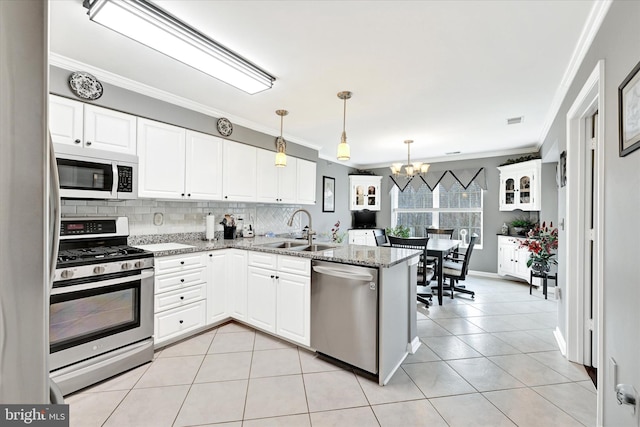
[170, 282]
[172, 264]
[295, 265]
[263, 260]
[180, 297]
[175, 322]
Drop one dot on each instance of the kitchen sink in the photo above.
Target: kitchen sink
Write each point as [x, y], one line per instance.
[313, 248]
[296, 246]
[284, 245]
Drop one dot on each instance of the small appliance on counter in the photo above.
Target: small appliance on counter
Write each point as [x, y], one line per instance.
[247, 230]
[229, 224]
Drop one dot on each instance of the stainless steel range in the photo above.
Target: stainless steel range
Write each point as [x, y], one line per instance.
[101, 312]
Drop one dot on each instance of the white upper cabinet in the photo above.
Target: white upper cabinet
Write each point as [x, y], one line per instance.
[175, 163]
[364, 192]
[274, 184]
[76, 123]
[520, 186]
[203, 169]
[239, 175]
[161, 156]
[306, 182]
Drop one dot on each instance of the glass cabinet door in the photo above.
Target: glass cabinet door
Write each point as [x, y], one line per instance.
[525, 190]
[509, 191]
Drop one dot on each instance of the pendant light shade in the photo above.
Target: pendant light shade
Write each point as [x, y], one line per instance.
[344, 151]
[281, 145]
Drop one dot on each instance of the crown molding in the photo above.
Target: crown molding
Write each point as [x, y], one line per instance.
[589, 31]
[153, 92]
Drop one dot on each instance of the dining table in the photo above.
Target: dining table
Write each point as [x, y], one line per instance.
[440, 248]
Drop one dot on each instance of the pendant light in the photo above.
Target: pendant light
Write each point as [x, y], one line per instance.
[410, 169]
[281, 145]
[344, 152]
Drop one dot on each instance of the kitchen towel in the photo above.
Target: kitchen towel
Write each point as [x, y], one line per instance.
[210, 230]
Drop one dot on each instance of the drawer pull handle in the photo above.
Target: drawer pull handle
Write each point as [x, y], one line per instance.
[181, 321]
[181, 297]
[182, 262]
[182, 280]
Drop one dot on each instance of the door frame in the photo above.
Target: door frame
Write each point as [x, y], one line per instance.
[589, 100]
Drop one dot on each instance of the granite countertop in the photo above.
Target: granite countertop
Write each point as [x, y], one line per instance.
[178, 244]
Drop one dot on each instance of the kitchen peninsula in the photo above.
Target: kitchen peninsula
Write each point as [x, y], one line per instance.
[267, 284]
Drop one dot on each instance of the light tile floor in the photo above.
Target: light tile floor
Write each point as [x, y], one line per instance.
[492, 361]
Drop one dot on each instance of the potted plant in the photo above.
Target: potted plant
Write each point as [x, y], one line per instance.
[522, 225]
[398, 231]
[541, 242]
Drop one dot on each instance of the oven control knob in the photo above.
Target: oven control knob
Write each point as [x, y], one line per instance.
[98, 270]
[66, 274]
[139, 264]
[126, 266]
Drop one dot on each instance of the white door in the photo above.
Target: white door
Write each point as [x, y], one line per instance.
[237, 284]
[261, 298]
[216, 286]
[267, 176]
[306, 182]
[109, 130]
[65, 120]
[161, 157]
[203, 167]
[239, 183]
[293, 307]
[288, 181]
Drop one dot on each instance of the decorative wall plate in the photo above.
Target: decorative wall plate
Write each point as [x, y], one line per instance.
[225, 127]
[85, 86]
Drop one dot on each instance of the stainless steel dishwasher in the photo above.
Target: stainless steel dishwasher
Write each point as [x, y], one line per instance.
[344, 313]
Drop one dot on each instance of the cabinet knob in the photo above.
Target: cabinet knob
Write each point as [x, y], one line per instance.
[181, 321]
[277, 277]
[182, 262]
[226, 197]
[182, 298]
[189, 195]
[182, 280]
[182, 194]
[77, 141]
[211, 255]
[88, 142]
[272, 276]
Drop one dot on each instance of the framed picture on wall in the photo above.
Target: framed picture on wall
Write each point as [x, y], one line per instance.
[328, 194]
[629, 112]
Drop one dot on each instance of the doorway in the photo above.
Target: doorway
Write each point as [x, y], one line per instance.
[584, 231]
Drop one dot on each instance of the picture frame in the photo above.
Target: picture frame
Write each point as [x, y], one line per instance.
[563, 169]
[629, 112]
[328, 194]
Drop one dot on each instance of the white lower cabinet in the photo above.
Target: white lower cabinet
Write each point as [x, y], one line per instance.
[236, 284]
[180, 296]
[512, 259]
[216, 285]
[279, 295]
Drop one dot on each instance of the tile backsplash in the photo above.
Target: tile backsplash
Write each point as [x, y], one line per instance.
[185, 217]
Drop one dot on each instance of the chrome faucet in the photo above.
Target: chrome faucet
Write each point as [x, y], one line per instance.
[310, 233]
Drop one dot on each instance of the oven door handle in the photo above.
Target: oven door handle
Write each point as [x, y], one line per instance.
[145, 274]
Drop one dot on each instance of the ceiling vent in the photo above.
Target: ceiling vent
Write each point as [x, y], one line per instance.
[515, 120]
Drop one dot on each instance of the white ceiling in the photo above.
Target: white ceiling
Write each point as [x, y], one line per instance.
[446, 74]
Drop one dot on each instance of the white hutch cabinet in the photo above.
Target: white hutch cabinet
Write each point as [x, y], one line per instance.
[520, 186]
[364, 192]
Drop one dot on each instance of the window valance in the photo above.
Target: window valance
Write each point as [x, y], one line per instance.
[447, 178]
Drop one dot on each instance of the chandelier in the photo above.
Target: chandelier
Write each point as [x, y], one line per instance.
[410, 169]
[281, 145]
[344, 152]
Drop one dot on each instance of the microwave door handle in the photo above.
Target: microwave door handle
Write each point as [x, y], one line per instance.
[114, 183]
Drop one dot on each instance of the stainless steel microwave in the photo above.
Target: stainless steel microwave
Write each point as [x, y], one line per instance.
[86, 173]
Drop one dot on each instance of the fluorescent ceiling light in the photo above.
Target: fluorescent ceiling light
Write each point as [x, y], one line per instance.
[153, 27]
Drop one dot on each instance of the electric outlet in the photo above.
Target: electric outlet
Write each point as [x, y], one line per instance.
[557, 293]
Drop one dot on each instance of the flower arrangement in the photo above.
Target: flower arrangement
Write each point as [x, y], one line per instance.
[541, 243]
[336, 236]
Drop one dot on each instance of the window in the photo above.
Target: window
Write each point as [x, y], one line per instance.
[456, 208]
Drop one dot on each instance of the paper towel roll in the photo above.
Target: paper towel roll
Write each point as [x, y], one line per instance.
[210, 230]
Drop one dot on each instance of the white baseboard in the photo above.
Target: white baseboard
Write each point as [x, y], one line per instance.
[414, 345]
[562, 344]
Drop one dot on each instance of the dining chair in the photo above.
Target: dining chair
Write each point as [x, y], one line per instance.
[456, 269]
[380, 236]
[426, 271]
[439, 233]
